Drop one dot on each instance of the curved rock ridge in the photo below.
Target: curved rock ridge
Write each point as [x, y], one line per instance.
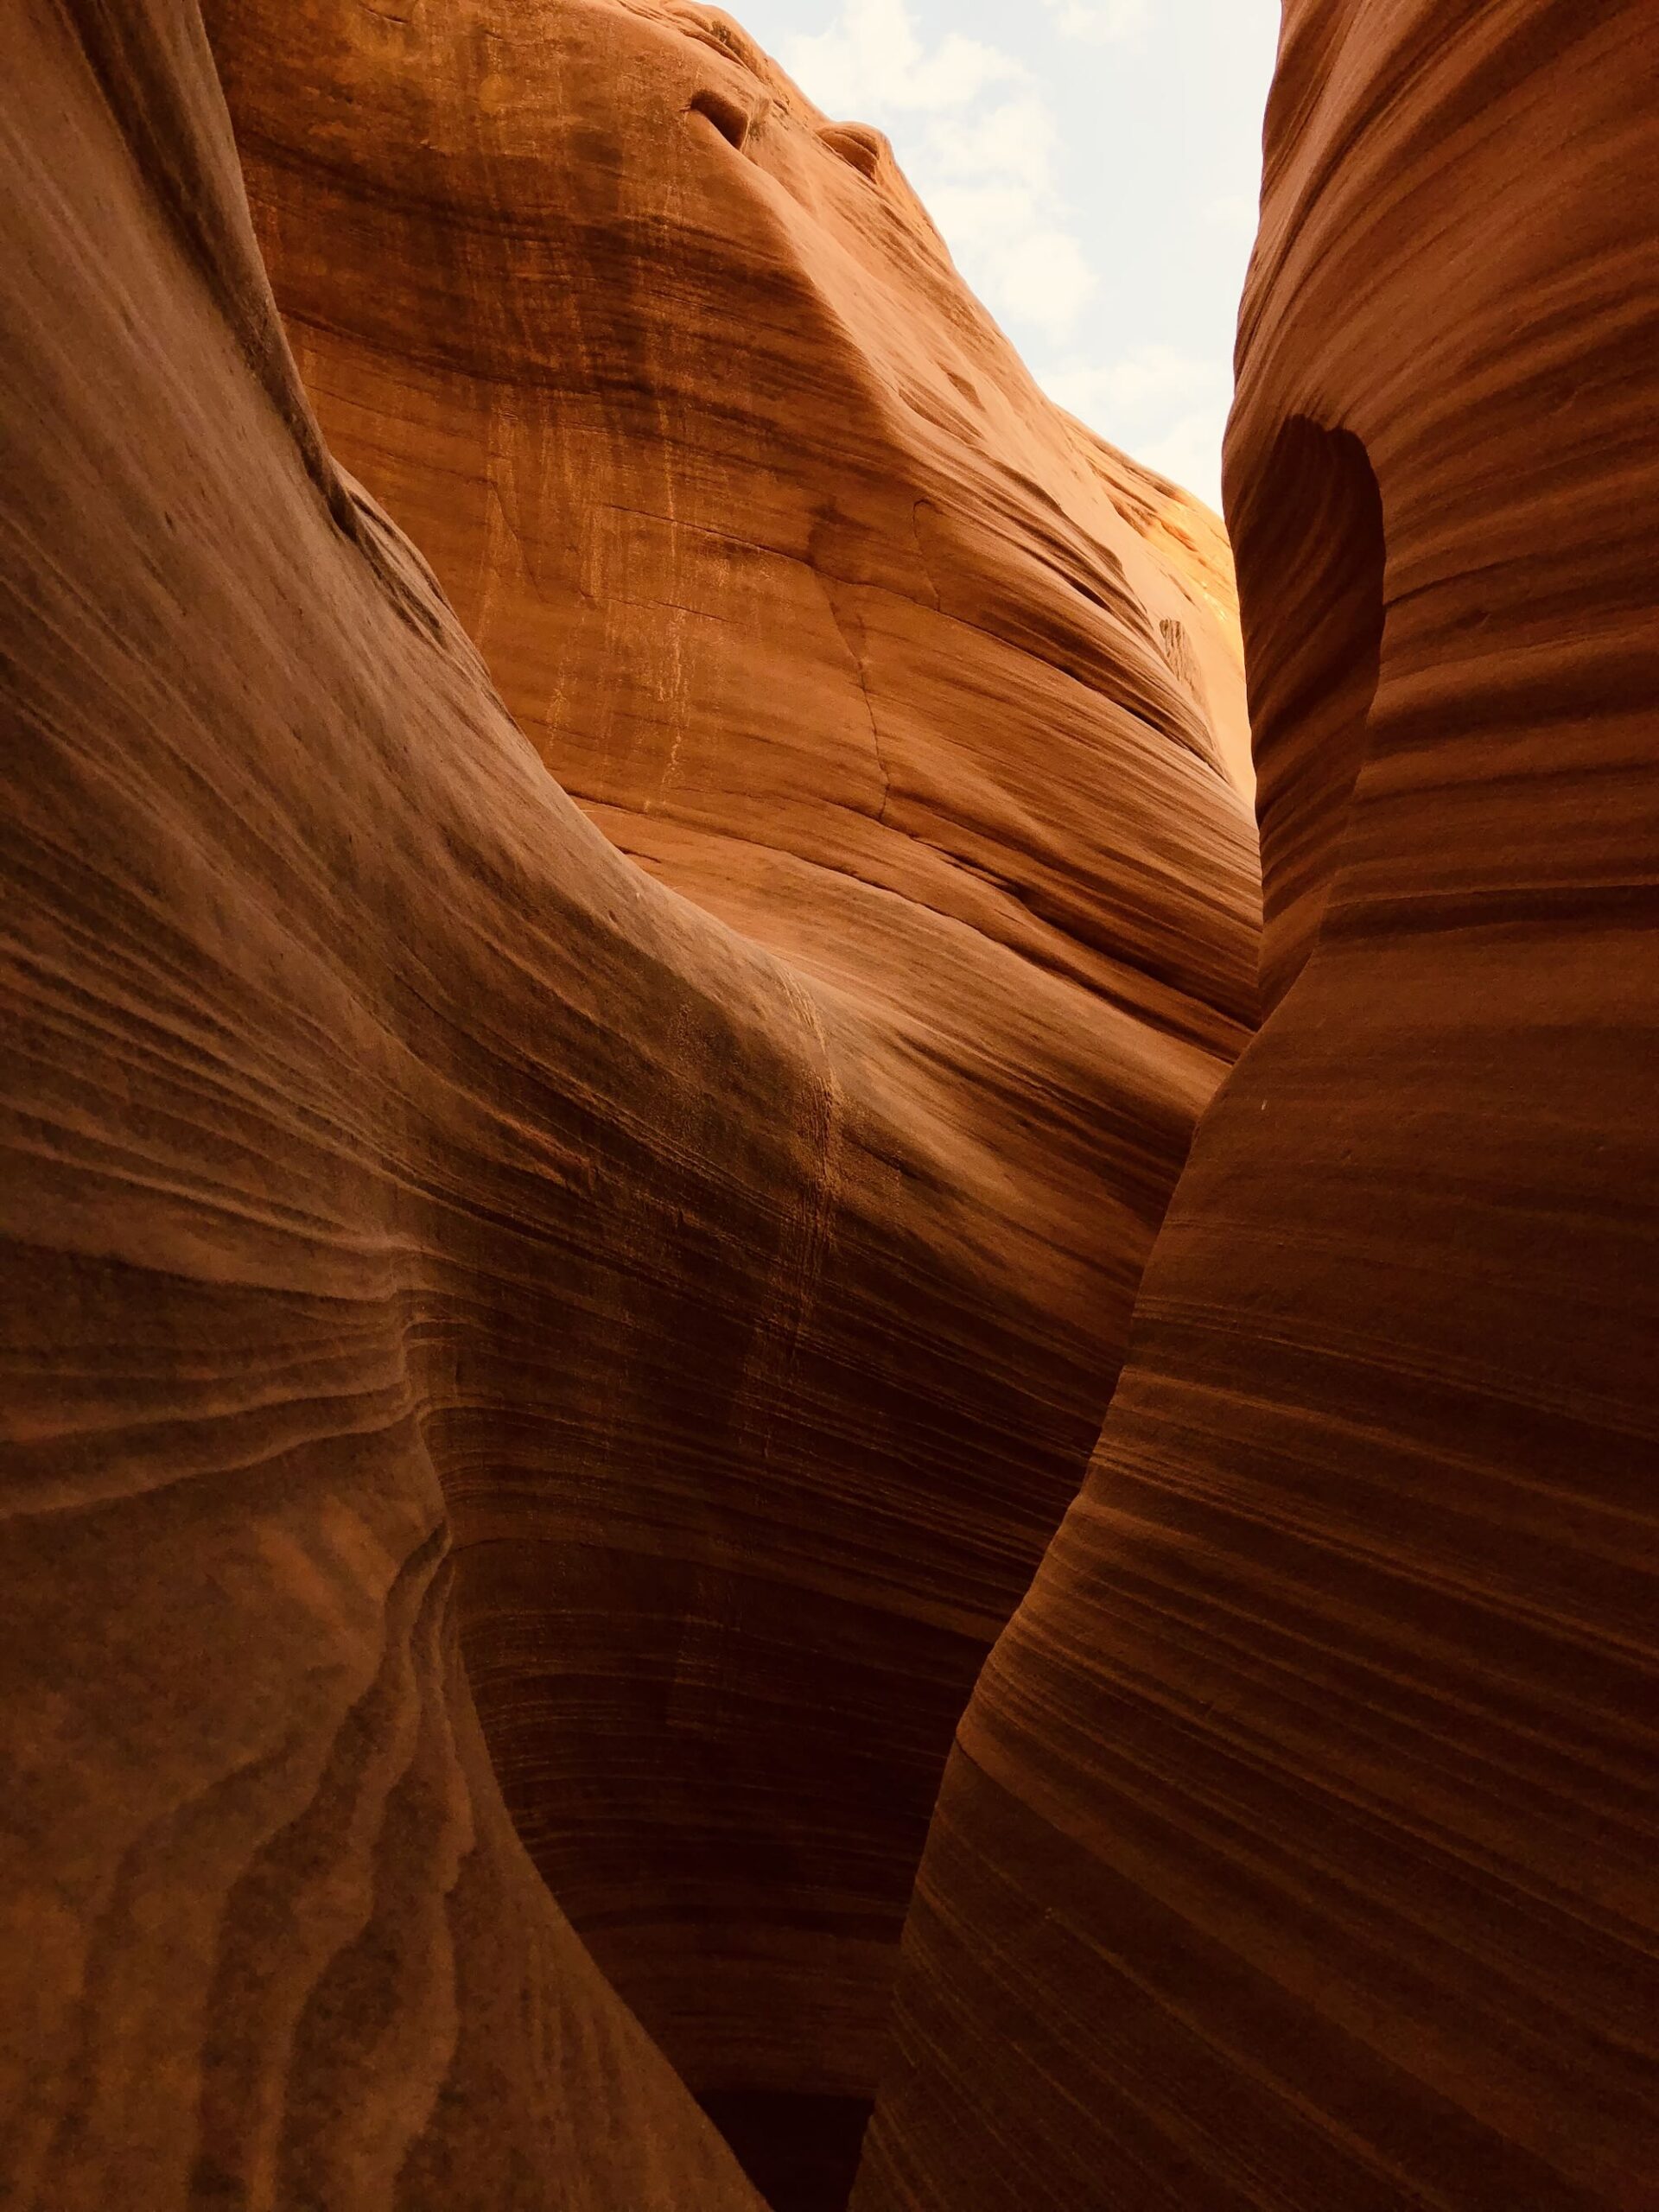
[455, 1278]
[1299, 1849]
[269, 845]
[831, 622]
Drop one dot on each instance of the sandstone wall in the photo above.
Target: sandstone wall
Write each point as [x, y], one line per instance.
[1298, 1846]
[454, 1275]
[830, 621]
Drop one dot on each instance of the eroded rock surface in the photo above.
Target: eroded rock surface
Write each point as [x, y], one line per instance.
[1299, 1845]
[454, 1273]
[833, 623]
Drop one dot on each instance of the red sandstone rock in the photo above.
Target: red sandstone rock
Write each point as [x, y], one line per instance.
[736, 1278]
[297, 932]
[1300, 1849]
[833, 623]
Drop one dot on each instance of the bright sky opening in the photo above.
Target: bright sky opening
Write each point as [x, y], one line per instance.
[1094, 166]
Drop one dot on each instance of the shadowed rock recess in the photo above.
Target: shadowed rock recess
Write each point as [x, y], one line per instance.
[562, 1273]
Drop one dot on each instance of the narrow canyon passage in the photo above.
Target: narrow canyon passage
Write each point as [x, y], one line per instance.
[839, 629]
[638, 986]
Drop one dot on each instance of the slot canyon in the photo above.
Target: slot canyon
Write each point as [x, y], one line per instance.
[831, 1323]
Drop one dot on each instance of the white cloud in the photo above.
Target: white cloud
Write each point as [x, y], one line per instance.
[1034, 272]
[1101, 22]
[1012, 142]
[985, 163]
[871, 58]
[1150, 379]
[1044, 278]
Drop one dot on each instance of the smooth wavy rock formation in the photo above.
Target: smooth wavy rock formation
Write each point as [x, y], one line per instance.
[1300, 1849]
[301, 948]
[452, 1275]
[834, 625]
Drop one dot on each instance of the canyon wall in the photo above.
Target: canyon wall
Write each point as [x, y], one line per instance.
[301, 952]
[505, 1323]
[831, 622]
[546, 1333]
[1299, 1848]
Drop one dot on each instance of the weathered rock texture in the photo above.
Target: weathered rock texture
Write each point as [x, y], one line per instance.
[833, 623]
[300, 947]
[397, 1174]
[1299, 1850]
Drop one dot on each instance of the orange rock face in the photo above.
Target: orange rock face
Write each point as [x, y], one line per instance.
[1299, 1845]
[833, 623]
[655, 1303]
[270, 845]
[538, 1361]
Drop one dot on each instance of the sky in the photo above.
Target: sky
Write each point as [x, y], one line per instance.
[1094, 166]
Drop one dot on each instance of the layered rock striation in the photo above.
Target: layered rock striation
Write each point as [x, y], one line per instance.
[550, 1317]
[1299, 1847]
[832, 623]
[530, 1348]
